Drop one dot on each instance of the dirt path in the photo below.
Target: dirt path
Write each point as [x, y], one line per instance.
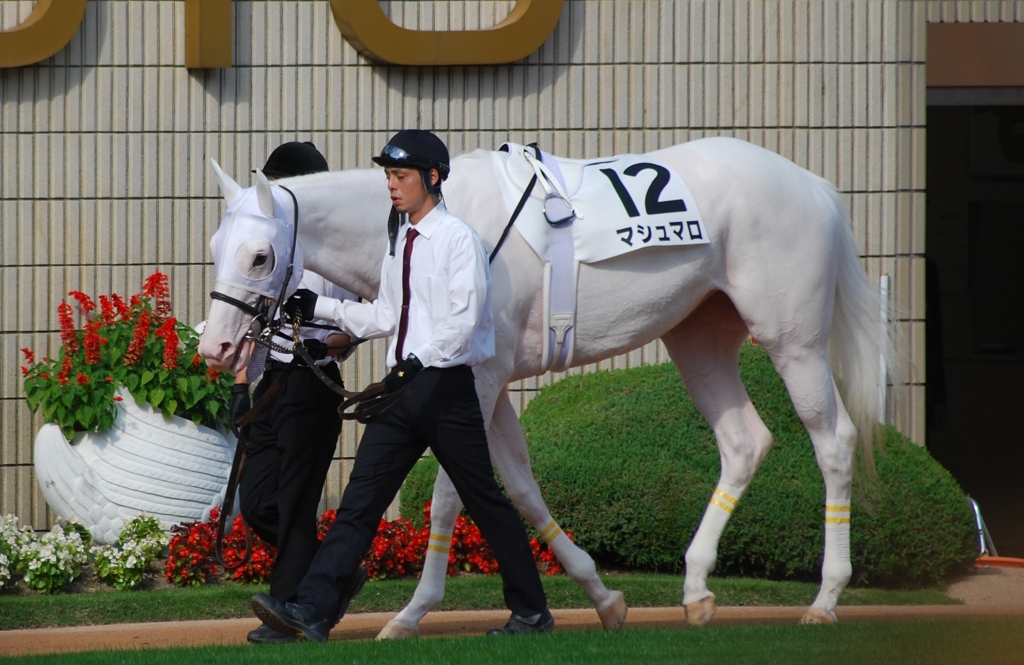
[987, 593]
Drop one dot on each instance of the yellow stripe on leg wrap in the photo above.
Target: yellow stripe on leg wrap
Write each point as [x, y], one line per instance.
[724, 501]
[551, 531]
[837, 514]
[439, 543]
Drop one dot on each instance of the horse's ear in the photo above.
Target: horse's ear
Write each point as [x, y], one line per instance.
[228, 188]
[263, 194]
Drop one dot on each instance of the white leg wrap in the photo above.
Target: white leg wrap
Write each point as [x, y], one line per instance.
[836, 569]
[577, 563]
[430, 590]
[703, 550]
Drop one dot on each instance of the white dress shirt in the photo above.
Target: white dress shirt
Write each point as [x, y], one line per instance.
[449, 320]
[321, 287]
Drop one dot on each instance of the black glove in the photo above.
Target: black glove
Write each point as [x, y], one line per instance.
[316, 349]
[240, 404]
[302, 301]
[402, 373]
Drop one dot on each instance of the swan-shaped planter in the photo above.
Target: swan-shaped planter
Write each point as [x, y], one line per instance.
[166, 467]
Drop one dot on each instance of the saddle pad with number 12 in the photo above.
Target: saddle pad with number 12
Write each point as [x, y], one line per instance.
[624, 204]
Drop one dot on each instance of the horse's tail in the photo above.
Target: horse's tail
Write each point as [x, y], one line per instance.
[864, 344]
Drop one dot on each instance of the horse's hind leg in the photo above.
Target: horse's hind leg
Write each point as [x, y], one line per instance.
[511, 457]
[705, 347]
[808, 377]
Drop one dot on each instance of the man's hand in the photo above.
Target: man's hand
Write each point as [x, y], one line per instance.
[240, 404]
[402, 373]
[303, 302]
[316, 349]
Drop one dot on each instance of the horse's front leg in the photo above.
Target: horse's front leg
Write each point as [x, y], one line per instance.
[444, 509]
[510, 455]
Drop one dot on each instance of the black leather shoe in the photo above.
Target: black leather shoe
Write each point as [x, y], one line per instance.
[517, 625]
[296, 619]
[267, 635]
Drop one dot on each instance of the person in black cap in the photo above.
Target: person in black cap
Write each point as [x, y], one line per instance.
[436, 302]
[292, 439]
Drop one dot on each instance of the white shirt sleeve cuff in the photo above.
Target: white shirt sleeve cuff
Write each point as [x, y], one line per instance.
[327, 309]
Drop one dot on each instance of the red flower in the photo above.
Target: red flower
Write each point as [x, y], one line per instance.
[196, 359]
[24, 370]
[123, 310]
[68, 337]
[84, 301]
[93, 342]
[107, 312]
[212, 374]
[156, 286]
[30, 357]
[82, 379]
[169, 335]
[139, 334]
[65, 368]
[118, 398]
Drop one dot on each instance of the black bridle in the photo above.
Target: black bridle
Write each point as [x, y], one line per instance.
[266, 326]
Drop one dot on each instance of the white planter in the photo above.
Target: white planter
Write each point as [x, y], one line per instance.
[169, 468]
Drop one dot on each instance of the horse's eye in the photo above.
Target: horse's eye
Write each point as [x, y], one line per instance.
[259, 260]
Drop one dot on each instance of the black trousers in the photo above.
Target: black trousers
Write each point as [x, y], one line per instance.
[440, 410]
[291, 443]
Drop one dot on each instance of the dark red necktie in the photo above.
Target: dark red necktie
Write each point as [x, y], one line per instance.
[403, 320]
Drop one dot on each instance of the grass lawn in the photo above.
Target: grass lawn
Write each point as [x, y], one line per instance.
[923, 642]
[465, 592]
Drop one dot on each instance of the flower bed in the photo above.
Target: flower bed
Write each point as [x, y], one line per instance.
[48, 563]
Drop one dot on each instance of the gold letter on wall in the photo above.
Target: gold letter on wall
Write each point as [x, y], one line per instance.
[48, 29]
[207, 34]
[365, 25]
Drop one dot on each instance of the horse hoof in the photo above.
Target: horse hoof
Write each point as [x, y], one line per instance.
[699, 613]
[397, 630]
[817, 615]
[613, 611]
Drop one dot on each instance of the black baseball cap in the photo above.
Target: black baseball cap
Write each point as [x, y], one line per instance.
[294, 158]
[415, 148]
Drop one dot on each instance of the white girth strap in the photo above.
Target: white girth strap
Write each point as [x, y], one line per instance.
[561, 270]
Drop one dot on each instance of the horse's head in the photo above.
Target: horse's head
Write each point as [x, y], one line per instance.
[257, 264]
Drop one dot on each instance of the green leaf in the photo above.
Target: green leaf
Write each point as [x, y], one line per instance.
[147, 376]
[171, 406]
[155, 396]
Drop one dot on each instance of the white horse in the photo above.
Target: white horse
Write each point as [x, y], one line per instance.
[781, 265]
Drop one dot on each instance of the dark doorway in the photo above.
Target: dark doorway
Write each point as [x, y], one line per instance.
[975, 308]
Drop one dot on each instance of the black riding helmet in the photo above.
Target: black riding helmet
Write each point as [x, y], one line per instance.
[418, 149]
[294, 158]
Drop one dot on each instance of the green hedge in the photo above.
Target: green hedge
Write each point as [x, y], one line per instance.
[627, 464]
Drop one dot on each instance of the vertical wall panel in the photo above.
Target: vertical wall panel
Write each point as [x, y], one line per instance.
[105, 148]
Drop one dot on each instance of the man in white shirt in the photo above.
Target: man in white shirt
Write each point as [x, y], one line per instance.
[292, 439]
[436, 302]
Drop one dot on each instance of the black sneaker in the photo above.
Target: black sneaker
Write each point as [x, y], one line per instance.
[267, 635]
[517, 625]
[296, 619]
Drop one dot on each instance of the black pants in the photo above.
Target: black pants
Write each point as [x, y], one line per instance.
[440, 410]
[291, 442]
